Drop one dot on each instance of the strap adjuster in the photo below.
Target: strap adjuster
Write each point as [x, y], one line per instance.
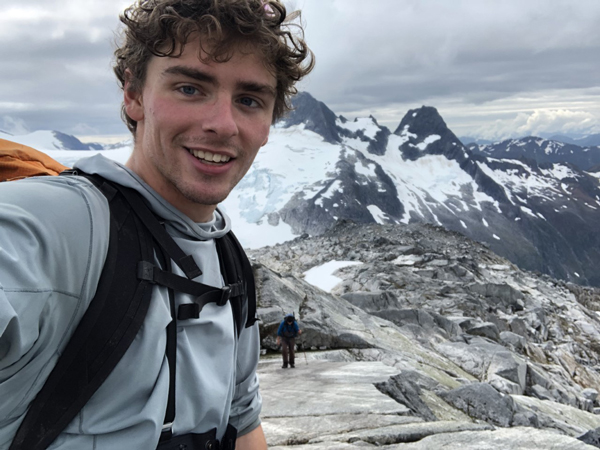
[225, 295]
[188, 311]
[146, 271]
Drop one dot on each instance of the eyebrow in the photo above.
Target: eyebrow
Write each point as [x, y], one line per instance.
[191, 73]
[204, 77]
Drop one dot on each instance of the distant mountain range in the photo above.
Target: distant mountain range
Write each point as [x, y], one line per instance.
[55, 140]
[531, 200]
[592, 140]
[466, 140]
[541, 151]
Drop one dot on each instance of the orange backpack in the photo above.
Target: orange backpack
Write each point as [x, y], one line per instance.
[19, 161]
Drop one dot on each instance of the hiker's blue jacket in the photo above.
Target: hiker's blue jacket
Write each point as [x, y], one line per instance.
[288, 330]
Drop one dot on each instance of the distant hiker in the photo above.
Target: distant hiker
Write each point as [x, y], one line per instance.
[287, 333]
[202, 81]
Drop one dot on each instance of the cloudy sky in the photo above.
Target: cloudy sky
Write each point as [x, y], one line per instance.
[493, 68]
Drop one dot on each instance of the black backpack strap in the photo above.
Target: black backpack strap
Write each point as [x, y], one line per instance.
[236, 269]
[171, 351]
[248, 277]
[105, 332]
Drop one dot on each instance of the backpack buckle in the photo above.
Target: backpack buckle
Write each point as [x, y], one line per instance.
[225, 295]
[146, 271]
[70, 172]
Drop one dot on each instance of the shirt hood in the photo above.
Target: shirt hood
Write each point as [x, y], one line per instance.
[118, 173]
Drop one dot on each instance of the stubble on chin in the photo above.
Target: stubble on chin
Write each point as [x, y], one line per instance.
[203, 198]
[195, 188]
[201, 189]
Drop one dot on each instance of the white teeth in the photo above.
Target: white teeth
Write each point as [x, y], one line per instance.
[210, 157]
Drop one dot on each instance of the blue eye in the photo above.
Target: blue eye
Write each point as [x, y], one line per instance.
[188, 90]
[248, 101]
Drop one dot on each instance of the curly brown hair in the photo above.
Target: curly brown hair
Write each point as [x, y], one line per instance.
[163, 27]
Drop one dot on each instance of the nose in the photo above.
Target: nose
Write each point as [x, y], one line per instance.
[220, 118]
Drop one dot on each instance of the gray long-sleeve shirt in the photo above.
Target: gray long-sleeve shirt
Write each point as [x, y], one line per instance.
[53, 242]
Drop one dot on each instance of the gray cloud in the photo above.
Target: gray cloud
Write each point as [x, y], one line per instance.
[478, 61]
[390, 55]
[56, 67]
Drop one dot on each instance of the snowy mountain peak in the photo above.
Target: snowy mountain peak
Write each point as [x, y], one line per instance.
[422, 121]
[423, 131]
[315, 116]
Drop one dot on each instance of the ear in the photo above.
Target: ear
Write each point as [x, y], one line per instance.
[132, 98]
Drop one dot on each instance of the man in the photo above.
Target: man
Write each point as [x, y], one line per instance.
[287, 333]
[202, 81]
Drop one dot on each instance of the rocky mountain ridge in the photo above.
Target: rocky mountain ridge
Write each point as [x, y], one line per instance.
[469, 342]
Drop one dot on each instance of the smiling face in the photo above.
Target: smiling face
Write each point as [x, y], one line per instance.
[200, 125]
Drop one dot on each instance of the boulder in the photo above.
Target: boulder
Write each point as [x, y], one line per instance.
[507, 366]
[592, 437]
[485, 329]
[503, 295]
[590, 394]
[513, 340]
[481, 401]
[408, 393]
